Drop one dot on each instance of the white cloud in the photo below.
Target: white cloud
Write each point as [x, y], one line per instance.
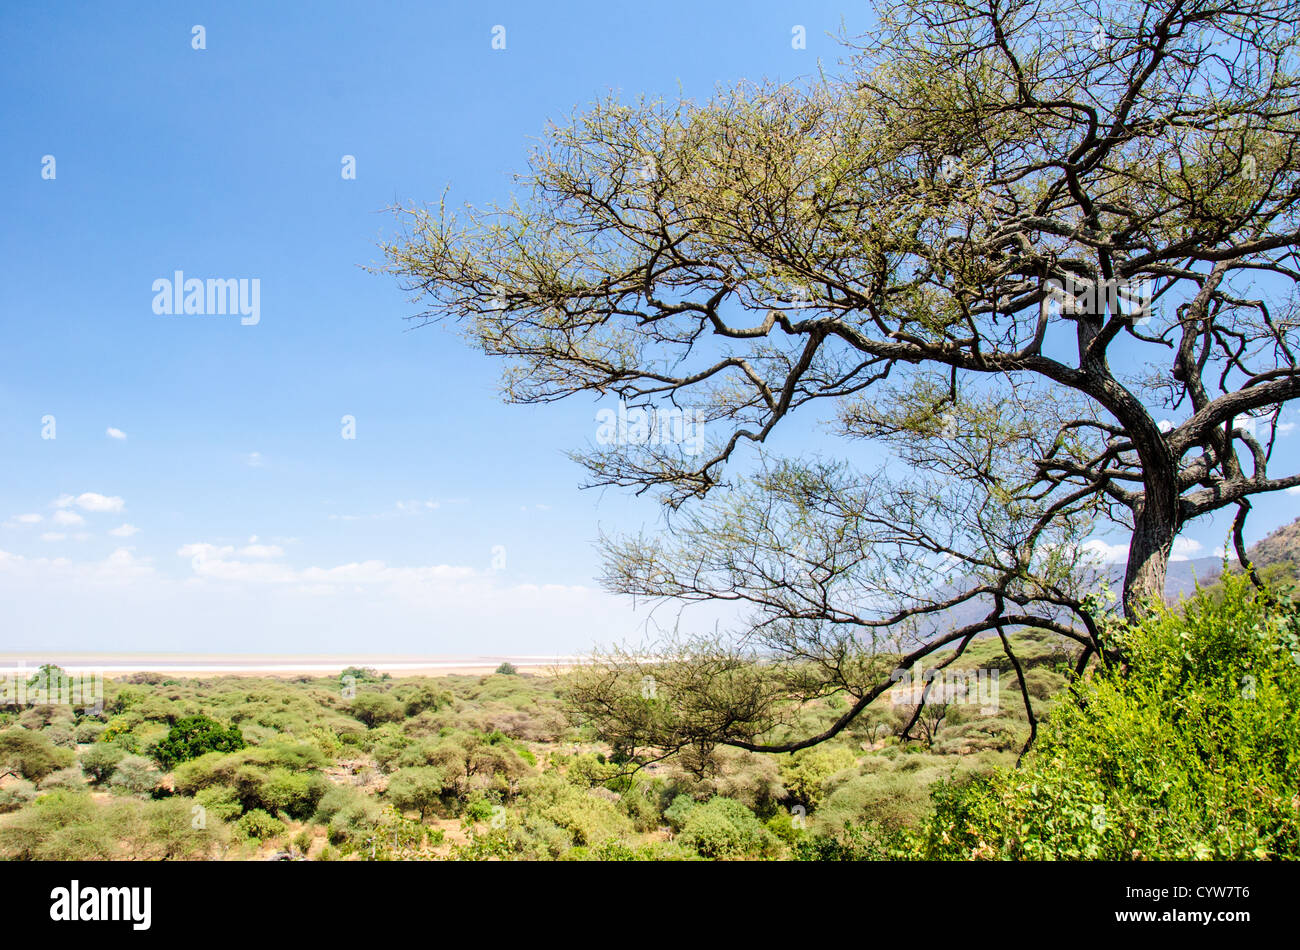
[261, 551]
[200, 550]
[17, 520]
[115, 433]
[1107, 552]
[118, 568]
[90, 501]
[254, 460]
[1185, 548]
[1165, 425]
[124, 531]
[1285, 428]
[53, 536]
[240, 604]
[1293, 490]
[65, 517]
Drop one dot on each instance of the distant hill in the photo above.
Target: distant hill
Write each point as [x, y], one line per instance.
[1281, 547]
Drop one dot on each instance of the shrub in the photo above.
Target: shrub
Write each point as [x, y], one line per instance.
[59, 826]
[806, 773]
[100, 761]
[88, 731]
[302, 841]
[31, 754]
[194, 736]
[723, 828]
[507, 669]
[348, 813]
[1190, 751]
[376, 708]
[680, 809]
[419, 788]
[118, 731]
[14, 796]
[70, 778]
[219, 802]
[134, 775]
[260, 826]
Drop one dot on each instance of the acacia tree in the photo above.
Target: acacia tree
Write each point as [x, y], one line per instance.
[1034, 260]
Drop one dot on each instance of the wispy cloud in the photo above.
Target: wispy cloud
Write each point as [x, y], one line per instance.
[115, 433]
[90, 501]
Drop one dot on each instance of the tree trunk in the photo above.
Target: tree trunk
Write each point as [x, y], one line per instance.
[1148, 561]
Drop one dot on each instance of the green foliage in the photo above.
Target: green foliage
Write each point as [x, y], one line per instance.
[194, 736]
[60, 826]
[375, 708]
[70, 778]
[783, 826]
[586, 816]
[88, 730]
[69, 826]
[100, 761]
[680, 809]
[15, 795]
[507, 669]
[259, 825]
[807, 772]
[282, 777]
[1190, 752]
[724, 828]
[31, 754]
[134, 775]
[118, 732]
[220, 802]
[348, 813]
[418, 787]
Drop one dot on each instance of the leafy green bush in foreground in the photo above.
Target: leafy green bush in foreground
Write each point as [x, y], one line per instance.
[1193, 752]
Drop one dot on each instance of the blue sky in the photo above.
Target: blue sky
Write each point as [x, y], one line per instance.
[228, 513]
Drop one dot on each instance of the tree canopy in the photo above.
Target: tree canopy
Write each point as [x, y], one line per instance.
[1034, 262]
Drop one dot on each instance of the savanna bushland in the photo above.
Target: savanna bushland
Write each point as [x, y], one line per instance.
[1030, 269]
[1191, 751]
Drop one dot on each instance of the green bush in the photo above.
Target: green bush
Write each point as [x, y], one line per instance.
[1189, 751]
[70, 777]
[59, 826]
[419, 788]
[31, 754]
[15, 795]
[134, 775]
[376, 708]
[100, 761]
[806, 773]
[348, 813]
[260, 826]
[88, 731]
[194, 736]
[724, 828]
[680, 809]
